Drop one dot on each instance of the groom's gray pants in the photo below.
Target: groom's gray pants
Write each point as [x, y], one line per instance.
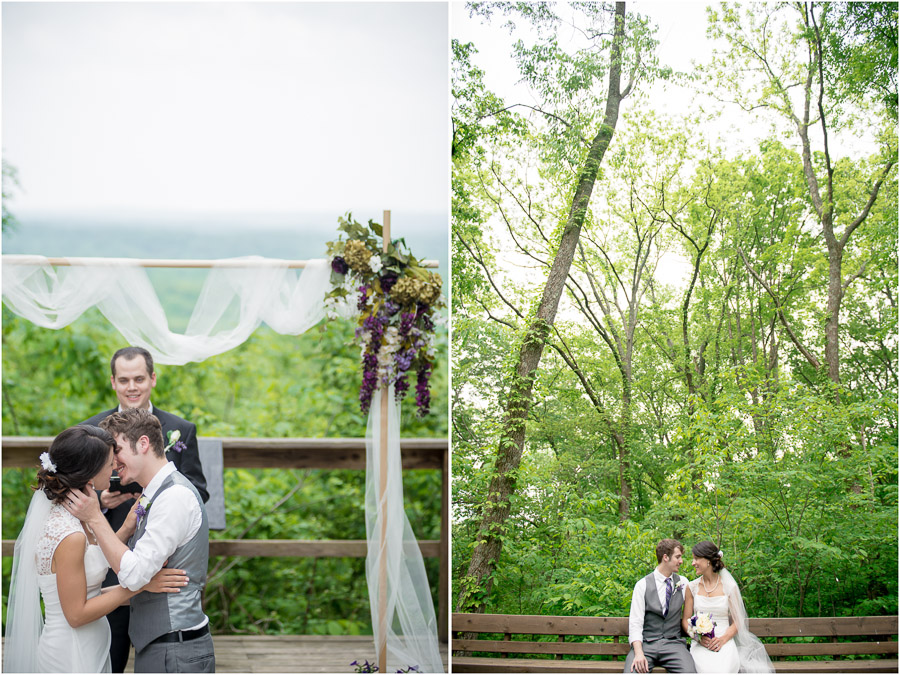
[671, 654]
[193, 656]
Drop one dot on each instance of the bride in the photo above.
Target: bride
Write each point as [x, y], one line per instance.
[733, 648]
[58, 558]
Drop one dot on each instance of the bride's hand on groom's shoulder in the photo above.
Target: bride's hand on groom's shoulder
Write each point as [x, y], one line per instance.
[83, 504]
[167, 581]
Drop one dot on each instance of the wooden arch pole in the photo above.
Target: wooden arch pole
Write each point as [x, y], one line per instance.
[382, 490]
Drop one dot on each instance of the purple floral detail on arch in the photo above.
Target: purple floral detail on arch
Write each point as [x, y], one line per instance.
[397, 301]
[339, 265]
[388, 281]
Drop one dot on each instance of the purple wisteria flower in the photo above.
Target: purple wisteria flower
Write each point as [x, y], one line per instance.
[401, 386]
[179, 446]
[369, 383]
[363, 298]
[339, 265]
[407, 319]
[423, 393]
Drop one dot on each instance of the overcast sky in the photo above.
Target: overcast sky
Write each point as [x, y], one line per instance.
[224, 107]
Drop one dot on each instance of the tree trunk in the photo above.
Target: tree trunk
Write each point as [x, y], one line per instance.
[476, 585]
[833, 308]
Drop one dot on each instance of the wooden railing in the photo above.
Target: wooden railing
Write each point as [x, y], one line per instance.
[299, 453]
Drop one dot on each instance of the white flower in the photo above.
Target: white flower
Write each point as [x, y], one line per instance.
[704, 624]
[46, 463]
[173, 438]
[375, 263]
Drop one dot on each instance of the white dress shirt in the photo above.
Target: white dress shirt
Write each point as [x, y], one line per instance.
[638, 604]
[171, 522]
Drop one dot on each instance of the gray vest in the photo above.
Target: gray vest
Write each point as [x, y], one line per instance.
[657, 626]
[155, 614]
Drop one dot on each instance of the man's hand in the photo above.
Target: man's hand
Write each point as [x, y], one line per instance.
[111, 500]
[640, 665]
[83, 505]
[167, 581]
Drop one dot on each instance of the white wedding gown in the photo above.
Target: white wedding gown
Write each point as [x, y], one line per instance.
[62, 648]
[727, 659]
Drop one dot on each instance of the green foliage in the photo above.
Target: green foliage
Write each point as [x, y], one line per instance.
[682, 404]
[862, 51]
[270, 386]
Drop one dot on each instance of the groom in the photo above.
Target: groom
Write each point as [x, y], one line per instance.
[169, 631]
[133, 379]
[654, 625]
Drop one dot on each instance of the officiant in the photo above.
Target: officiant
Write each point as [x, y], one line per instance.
[133, 380]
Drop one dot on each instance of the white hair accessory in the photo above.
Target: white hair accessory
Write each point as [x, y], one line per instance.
[46, 463]
[720, 553]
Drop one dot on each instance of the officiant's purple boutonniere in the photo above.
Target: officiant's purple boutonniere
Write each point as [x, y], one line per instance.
[396, 300]
[174, 443]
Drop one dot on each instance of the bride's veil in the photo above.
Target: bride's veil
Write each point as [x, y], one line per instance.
[24, 621]
[754, 658]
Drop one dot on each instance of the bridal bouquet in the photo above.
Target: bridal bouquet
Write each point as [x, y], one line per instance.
[701, 624]
[395, 303]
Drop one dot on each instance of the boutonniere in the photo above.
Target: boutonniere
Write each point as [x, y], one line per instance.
[681, 583]
[174, 443]
[141, 510]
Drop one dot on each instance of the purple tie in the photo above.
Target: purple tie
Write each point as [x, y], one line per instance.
[669, 592]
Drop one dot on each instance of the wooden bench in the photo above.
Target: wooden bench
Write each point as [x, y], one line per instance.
[545, 648]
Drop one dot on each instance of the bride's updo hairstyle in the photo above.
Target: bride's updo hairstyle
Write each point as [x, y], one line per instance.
[76, 455]
[708, 550]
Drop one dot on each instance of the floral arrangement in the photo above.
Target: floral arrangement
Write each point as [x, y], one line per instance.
[174, 443]
[701, 625]
[395, 304]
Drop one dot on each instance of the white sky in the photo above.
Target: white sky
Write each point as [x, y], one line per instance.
[226, 107]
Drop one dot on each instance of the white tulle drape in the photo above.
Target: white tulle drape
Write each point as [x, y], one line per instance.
[232, 304]
[24, 622]
[410, 625]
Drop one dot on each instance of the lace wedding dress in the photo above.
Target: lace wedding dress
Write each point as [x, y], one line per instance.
[726, 660]
[62, 648]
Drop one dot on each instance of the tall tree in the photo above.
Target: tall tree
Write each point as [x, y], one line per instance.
[789, 54]
[586, 68]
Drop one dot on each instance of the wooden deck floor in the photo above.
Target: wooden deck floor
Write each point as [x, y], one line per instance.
[292, 653]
